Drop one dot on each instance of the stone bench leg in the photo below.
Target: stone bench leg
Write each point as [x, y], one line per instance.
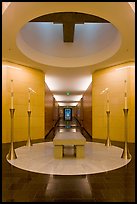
[58, 151]
[79, 151]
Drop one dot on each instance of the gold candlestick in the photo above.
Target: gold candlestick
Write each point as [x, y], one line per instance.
[29, 139]
[12, 154]
[126, 154]
[108, 142]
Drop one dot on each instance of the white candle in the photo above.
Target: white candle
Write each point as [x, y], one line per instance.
[29, 101]
[107, 101]
[11, 94]
[125, 94]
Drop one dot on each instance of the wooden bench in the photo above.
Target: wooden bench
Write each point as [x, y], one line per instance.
[69, 138]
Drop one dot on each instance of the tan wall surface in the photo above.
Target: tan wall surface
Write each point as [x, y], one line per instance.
[113, 79]
[23, 78]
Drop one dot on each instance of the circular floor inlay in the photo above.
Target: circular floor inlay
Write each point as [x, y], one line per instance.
[40, 158]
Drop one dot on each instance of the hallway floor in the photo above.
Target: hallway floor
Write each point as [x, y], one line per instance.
[24, 186]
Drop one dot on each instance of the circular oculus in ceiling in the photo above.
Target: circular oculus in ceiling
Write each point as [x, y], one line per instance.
[68, 39]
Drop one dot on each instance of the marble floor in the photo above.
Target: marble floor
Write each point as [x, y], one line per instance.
[117, 185]
[40, 158]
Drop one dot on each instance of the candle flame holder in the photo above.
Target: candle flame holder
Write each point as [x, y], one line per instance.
[108, 142]
[12, 154]
[126, 154]
[29, 144]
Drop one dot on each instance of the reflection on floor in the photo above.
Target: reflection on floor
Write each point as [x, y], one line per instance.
[68, 124]
[68, 187]
[24, 186]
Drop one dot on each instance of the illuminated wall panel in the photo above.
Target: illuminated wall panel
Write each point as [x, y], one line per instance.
[23, 78]
[113, 79]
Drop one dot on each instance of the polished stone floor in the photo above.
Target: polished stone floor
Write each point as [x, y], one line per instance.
[24, 186]
[97, 158]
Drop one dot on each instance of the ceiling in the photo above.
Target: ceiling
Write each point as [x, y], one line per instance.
[68, 41]
[68, 20]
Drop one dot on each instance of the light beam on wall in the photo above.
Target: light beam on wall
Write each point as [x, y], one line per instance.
[8, 66]
[5, 6]
[132, 4]
[125, 67]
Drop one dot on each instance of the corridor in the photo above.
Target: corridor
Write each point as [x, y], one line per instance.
[68, 101]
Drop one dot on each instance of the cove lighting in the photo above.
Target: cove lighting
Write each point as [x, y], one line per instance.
[55, 83]
[67, 104]
[86, 83]
[91, 23]
[8, 66]
[67, 98]
[125, 67]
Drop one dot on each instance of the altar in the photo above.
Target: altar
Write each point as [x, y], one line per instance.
[76, 139]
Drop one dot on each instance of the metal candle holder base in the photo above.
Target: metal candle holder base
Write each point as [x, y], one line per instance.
[12, 154]
[126, 154]
[108, 142]
[29, 144]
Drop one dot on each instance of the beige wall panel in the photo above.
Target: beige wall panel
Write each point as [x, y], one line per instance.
[23, 78]
[113, 78]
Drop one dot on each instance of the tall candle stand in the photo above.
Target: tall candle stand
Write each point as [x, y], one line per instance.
[12, 154]
[108, 142]
[29, 139]
[126, 154]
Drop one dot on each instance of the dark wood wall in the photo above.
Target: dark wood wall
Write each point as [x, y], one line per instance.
[84, 110]
[79, 111]
[51, 110]
[87, 110]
